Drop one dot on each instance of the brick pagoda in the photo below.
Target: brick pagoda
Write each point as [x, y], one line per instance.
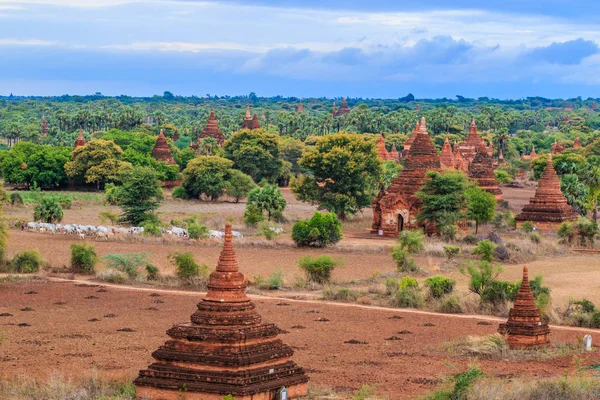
[524, 328]
[577, 143]
[300, 107]
[447, 156]
[250, 122]
[344, 109]
[529, 156]
[394, 155]
[481, 170]
[548, 208]
[468, 148]
[45, 129]
[80, 141]
[410, 140]
[161, 150]
[224, 349]
[557, 148]
[398, 208]
[212, 130]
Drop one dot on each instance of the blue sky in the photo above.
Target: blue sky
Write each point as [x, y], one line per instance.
[376, 48]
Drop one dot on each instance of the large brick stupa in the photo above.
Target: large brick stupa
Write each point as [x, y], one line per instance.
[161, 150]
[212, 130]
[481, 170]
[224, 349]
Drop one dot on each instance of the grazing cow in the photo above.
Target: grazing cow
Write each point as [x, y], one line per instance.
[82, 236]
[32, 226]
[216, 234]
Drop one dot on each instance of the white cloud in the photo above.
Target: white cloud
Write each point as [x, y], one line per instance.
[27, 42]
[185, 47]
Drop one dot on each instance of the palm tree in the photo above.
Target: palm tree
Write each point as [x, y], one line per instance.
[591, 178]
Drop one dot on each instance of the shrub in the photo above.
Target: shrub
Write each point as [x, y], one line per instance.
[48, 210]
[391, 286]
[406, 282]
[411, 241]
[83, 258]
[179, 193]
[3, 196]
[501, 253]
[198, 230]
[16, 199]
[450, 305]
[470, 239]
[27, 261]
[485, 249]
[409, 297]
[535, 238]
[452, 251]
[439, 286]
[321, 230]
[502, 176]
[151, 272]
[582, 232]
[113, 275]
[449, 232]
[152, 229]
[112, 194]
[252, 216]
[129, 263]
[527, 226]
[267, 231]
[404, 263]
[240, 185]
[482, 275]
[275, 281]
[494, 238]
[318, 269]
[596, 319]
[65, 202]
[342, 294]
[108, 216]
[186, 265]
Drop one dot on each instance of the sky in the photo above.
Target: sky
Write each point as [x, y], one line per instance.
[301, 48]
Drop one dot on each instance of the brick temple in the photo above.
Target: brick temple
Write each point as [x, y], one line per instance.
[44, 131]
[481, 170]
[410, 140]
[224, 349]
[161, 150]
[557, 147]
[468, 148]
[300, 107]
[524, 328]
[530, 156]
[548, 208]
[577, 143]
[212, 130]
[447, 156]
[344, 109]
[250, 122]
[383, 153]
[80, 141]
[397, 209]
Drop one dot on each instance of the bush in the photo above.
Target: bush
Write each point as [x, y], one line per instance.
[112, 194]
[275, 281]
[439, 286]
[494, 238]
[450, 305]
[48, 210]
[404, 263]
[252, 216]
[240, 185]
[179, 193]
[502, 176]
[129, 263]
[16, 199]
[152, 229]
[501, 253]
[535, 238]
[406, 282]
[267, 231]
[27, 261]
[113, 275]
[321, 230]
[151, 272]
[449, 232]
[3, 196]
[485, 249]
[470, 239]
[527, 227]
[318, 269]
[452, 251]
[65, 202]
[343, 294]
[198, 230]
[391, 286]
[409, 297]
[186, 265]
[83, 258]
[411, 241]
[108, 216]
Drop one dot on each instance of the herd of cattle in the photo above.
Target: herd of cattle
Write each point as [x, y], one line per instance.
[104, 232]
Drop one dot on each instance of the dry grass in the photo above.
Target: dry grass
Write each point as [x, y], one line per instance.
[580, 388]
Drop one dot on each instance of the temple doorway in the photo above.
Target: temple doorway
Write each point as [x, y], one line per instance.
[400, 223]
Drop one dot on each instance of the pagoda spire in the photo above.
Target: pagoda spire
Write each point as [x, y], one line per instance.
[80, 141]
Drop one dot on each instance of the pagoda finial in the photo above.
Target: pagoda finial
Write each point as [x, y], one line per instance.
[423, 126]
[525, 273]
[248, 114]
[162, 134]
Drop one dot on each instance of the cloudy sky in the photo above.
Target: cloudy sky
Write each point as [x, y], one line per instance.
[368, 48]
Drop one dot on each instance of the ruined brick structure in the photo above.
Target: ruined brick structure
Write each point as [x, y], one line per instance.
[557, 148]
[80, 141]
[447, 160]
[224, 349]
[548, 208]
[161, 150]
[530, 156]
[45, 129]
[524, 328]
[468, 148]
[212, 130]
[501, 160]
[481, 170]
[250, 122]
[394, 155]
[577, 143]
[410, 140]
[382, 152]
[300, 107]
[344, 109]
[397, 209]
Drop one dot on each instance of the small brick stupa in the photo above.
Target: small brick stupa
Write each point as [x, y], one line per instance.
[249, 121]
[80, 141]
[44, 131]
[161, 150]
[548, 208]
[557, 148]
[394, 155]
[577, 143]
[399, 206]
[447, 156]
[300, 107]
[225, 349]
[212, 130]
[524, 328]
[411, 139]
[344, 109]
[530, 156]
[481, 170]
[468, 148]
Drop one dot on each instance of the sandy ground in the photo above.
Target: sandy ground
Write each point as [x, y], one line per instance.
[74, 329]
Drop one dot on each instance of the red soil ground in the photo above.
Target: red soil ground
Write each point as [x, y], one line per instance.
[72, 331]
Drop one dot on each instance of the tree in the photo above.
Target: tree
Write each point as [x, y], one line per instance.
[481, 206]
[27, 162]
[239, 185]
[591, 178]
[207, 176]
[443, 198]
[575, 192]
[255, 153]
[48, 210]
[99, 161]
[344, 172]
[267, 199]
[140, 194]
[291, 150]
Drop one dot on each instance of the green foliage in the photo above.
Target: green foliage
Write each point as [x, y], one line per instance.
[252, 215]
[363, 393]
[3, 196]
[345, 172]
[408, 296]
[482, 276]
[450, 305]
[485, 249]
[452, 251]
[16, 199]
[197, 230]
[151, 272]
[128, 263]
[575, 192]
[318, 269]
[439, 286]
[113, 275]
[207, 176]
[186, 265]
[470, 239]
[275, 281]
[535, 238]
[108, 216]
[99, 162]
[448, 232]
[151, 228]
[582, 232]
[83, 258]
[27, 261]
[112, 194]
[240, 185]
[503, 176]
[412, 241]
[481, 206]
[267, 232]
[527, 227]
[3, 239]
[179, 193]
[28, 162]
[140, 194]
[443, 197]
[321, 230]
[255, 153]
[403, 261]
[267, 199]
[48, 210]
[407, 282]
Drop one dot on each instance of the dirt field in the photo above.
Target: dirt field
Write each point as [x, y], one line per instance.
[73, 329]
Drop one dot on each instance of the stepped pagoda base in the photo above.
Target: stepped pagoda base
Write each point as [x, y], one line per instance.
[543, 226]
[294, 391]
[526, 337]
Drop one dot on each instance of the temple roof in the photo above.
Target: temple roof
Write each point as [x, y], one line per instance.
[344, 109]
[446, 156]
[482, 170]
[212, 129]
[161, 150]
[577, 143]
[300, 107]
[411, 139]
[80, 141]
[250, 122]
